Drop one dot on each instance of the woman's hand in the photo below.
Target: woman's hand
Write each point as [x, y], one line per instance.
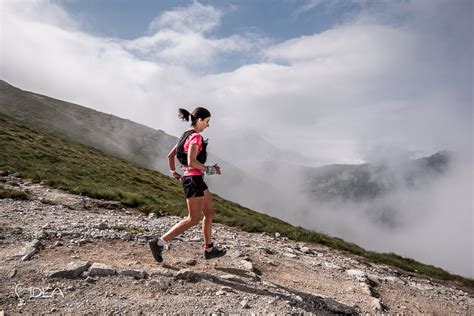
[218, 168]
[176, 175]
[215, 169]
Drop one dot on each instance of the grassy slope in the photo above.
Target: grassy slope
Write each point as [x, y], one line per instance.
[114, 135]
[71, 166]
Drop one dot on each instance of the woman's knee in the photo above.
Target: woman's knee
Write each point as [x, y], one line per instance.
[192, 220]
[209, 213]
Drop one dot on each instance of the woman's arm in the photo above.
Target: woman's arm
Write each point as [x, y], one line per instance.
[171, 164]
[192, 160]
[194, 163]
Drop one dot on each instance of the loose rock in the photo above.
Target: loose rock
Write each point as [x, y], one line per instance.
[137, 274]
[101, 269]
[72, 270]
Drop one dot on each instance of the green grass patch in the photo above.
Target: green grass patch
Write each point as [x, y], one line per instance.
[132, 230]
[80, 169]
[47, 202]
[13, 194]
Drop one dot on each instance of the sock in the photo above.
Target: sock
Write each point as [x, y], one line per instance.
[209, 247]
[161, 242]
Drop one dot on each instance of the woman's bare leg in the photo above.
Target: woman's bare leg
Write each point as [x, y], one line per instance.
[209, 212]
[195, 206]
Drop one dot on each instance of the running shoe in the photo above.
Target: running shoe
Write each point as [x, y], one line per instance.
[156, 250]
[214, 253]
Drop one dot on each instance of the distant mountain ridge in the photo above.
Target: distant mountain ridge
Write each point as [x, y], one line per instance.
[372, 180]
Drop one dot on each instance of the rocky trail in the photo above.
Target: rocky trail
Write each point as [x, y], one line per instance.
[64, 253]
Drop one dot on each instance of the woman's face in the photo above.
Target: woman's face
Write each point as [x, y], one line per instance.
[202, 124]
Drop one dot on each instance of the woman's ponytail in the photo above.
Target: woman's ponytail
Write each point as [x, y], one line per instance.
[198, 113]
[184, 114]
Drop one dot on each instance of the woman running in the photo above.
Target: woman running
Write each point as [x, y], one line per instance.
[191, 153]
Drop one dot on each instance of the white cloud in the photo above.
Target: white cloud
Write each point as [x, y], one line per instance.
[308, 6]
[196, 18]
[179, 37]
[190, 49]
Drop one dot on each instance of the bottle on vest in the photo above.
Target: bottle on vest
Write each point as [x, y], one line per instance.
[183, 156]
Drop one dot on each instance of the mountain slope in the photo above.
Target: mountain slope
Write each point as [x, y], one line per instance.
[119, 137]
[369, 181]
[68, 165]
[126, 139]
[91, 257]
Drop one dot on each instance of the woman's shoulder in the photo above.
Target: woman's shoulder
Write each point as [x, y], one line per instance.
[194, 138]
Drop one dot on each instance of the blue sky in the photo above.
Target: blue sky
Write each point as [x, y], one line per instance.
[280, 20]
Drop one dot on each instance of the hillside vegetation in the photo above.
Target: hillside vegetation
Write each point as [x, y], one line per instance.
[68, 165]
[111, 134]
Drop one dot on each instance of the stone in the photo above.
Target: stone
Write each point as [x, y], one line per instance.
[35, 243]
[305, 250]
[161, 272]
[244, 304]
[376, 305]
[12, 274]
[83, 241]
[226, 289]
[331, 265]
[101, 269]
[373, 279]
[248, 265]
[365, 288]
[220, 292]
[137, 274]
[160, 284]
[266, 250]
[394, 279]
[290, 255]
[269, 284]
[237, 254]
[90, 279]
[191, 262]
[187, 275]
[338, 308]
[231, 277]
[422, 287]
[277, 235]
[103, 226]
[72, 270]
[206, 276]
[28, 253]
[41, 235]
[359, 275]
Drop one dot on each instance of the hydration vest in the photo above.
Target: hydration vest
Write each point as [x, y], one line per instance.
[183, 156]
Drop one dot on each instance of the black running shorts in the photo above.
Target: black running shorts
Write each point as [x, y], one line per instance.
[193, 186]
